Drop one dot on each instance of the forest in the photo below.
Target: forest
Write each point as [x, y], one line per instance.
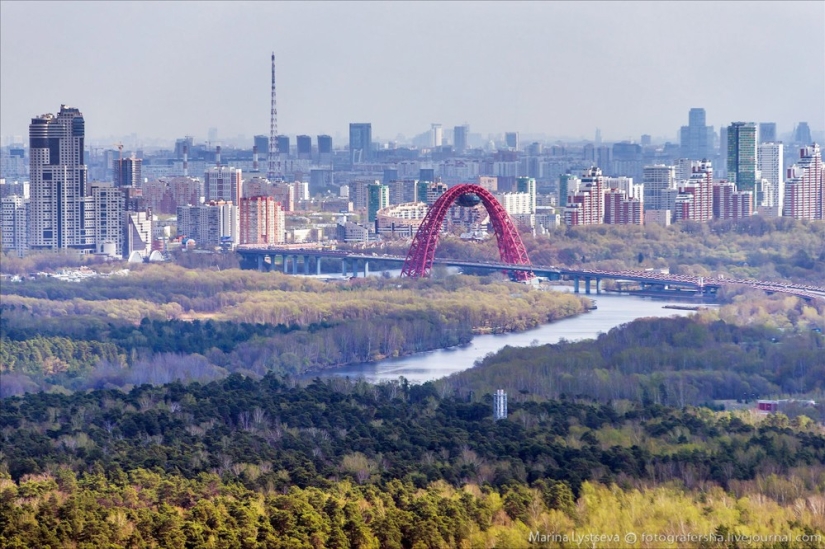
[244, 463]
[162, 323]
[679, 361]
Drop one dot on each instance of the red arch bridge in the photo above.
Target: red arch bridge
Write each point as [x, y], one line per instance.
[420, 258]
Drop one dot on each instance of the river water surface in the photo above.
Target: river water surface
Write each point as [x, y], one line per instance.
[612, 310]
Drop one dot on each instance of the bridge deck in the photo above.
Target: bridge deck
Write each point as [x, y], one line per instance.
[643, 277]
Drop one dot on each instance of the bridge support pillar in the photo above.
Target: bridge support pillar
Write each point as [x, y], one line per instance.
[366, 268]
[318, 265]
[344, 266]
[294, 264]
[260, 263]
[306, 265]
[286, 262]
[587, 285]
[576, 284]
[598, 285]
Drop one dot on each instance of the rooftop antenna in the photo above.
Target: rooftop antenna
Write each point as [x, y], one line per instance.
[274, 171]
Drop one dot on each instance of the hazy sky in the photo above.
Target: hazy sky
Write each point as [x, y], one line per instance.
[164, 69]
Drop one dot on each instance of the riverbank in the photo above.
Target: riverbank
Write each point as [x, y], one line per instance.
[611, 311]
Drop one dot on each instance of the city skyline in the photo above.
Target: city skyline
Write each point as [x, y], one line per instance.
[527, 83]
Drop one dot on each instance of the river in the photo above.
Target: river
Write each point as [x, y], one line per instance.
[612, 310]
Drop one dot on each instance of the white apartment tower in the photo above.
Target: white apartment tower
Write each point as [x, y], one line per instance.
[657, 179]
[107, 218]
[223, 183]
[58, 182]
[770, 161]
[13, 224]
[436, 135]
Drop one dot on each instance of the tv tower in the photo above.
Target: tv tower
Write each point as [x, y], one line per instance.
[274, 171]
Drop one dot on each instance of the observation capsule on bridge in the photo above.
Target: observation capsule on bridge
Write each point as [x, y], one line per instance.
[468, 200]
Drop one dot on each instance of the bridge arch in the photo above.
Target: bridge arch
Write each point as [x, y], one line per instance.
[420, 256]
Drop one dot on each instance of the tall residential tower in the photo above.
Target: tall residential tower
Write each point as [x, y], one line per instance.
[742, 156]
[58, 182]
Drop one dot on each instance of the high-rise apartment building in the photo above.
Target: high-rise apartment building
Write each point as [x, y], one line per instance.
[511, 140]
[14, 226]
[804, 186]
[436, 135]
[210, 225]
[107, 205]
[683, 168]
[592, 180]
[770, 162]
[390, 174]
[567, 183]
[620, 209]
[402, 191]
[460, 135]
[137, 233]
[304, 147]
[283, 145]
[742, 156]
[58, 178]
[261, 221]
[127, 172]
[696, 139]
[527, 185]
[767, 132]
[426, 174]
[728, 203]
[261, 142]
[694, 201]
[285, 194]
[223, 183]
[657, 179]
[360, 143]
[517, 203]
[324, 144]
[802, 134]
[324, 149]
[586, 206]
[378, 198]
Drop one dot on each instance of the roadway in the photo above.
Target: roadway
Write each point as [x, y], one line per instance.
[652, 278]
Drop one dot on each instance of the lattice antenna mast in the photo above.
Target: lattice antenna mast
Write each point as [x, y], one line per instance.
[274, 170]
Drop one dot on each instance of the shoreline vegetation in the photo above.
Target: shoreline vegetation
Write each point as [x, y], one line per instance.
[164, 323]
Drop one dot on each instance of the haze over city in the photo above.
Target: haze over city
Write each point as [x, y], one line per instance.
[163, 70]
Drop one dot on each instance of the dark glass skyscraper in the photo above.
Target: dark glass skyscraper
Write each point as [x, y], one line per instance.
[304, 146]
[460, 134]
[283, 144]
[262, 144]
[324, 144]
[360, 142]
[742, 156]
